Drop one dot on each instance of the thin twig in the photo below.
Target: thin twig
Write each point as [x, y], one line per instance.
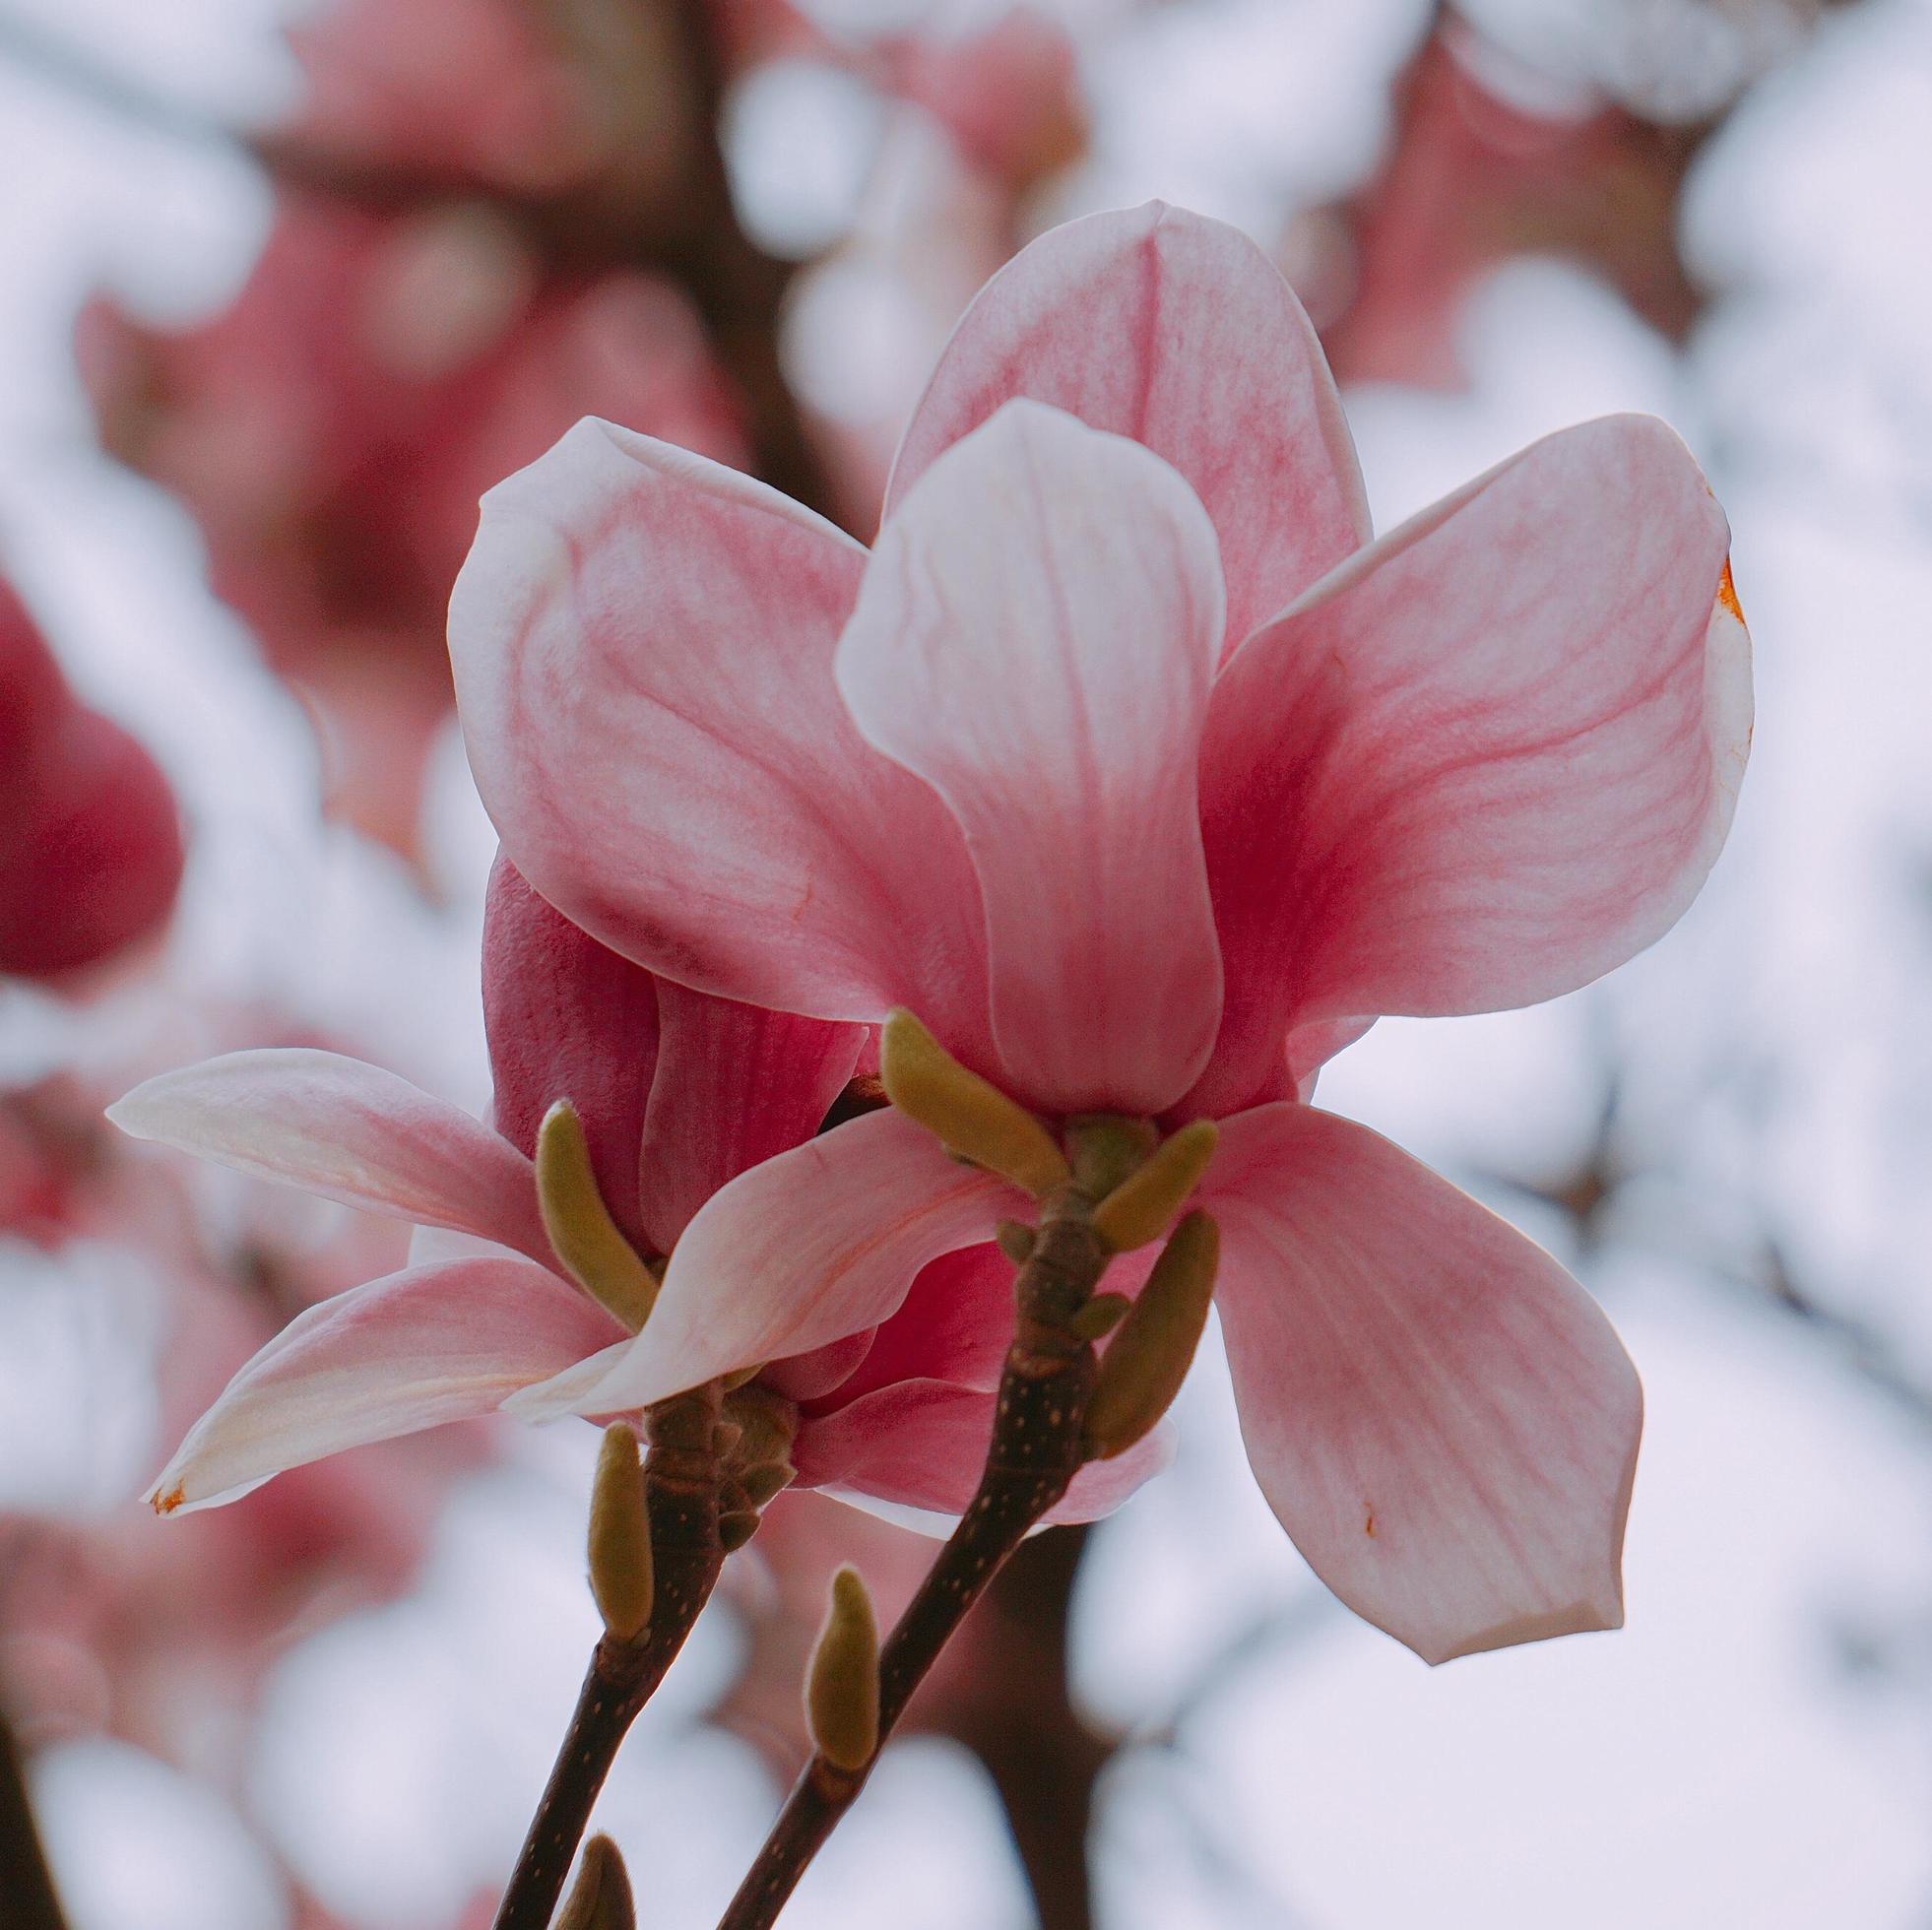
[681, 1479]
[1033, 1455]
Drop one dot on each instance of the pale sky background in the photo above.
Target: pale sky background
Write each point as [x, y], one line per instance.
[1720, 1761]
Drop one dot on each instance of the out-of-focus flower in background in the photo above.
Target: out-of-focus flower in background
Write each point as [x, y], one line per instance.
[91, 847]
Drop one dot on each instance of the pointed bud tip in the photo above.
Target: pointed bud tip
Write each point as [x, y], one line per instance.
[586, 1239]
[1143, 1206]
[970, 1116]
[601, 1899]
[1146, 1362]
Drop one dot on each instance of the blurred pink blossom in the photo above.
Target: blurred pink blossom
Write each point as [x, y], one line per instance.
[1490, 161]
[465, 89]
[1134, 766]
[1008, 92]
[333, 428]
[90, 850]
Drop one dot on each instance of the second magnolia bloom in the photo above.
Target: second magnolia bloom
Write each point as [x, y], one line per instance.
[1130, 764]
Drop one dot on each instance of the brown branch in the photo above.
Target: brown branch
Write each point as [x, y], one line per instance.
[738, 289]
[682, 1480]
[31, 1903]
[1018, 1718]
[1034, 1454]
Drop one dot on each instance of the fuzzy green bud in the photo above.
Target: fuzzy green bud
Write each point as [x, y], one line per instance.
[1101, 1315]
[736, 1526]
[764, 1481]
[1017, 1240]
[595, 1254]
[1143, 1367]
[1143, 1206]
[841, 1681]
[601, 1898]
[621, 1574]
[766, 1423]
[1106, 1150]
[971, 1117]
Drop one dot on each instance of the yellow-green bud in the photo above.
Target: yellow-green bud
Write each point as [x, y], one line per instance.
[1108, 1148]
[595, 1254]
[1143, 1206]
[1017, 1240]
[620, 1576]
[765, 1480]
[601, 1898]
[841, 1681]
[766, 1423]
[1101, 1315]
[971, 1117]
[736, 1526]
[1142, 1369]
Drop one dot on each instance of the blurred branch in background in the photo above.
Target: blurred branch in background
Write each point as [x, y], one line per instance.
[29, 1885]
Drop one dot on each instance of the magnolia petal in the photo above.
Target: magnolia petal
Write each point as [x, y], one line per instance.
[1440, 1416]
[642, 642]
[1036, 638]
[813, 1375]
[431, 1344]
[923, 1444]
[347, 1130]
[1177, 332]
[1485, 761]
[429, 1244]
[734, 1085]
[955, 1325]
[567, 1018]
[819, 1243]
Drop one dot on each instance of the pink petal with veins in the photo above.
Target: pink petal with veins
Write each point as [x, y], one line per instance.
[1440, 1416]
[1486, 760]
[734, 1085]
[1036, 637]
[1177, 332]
[642, 642]
[348, 1132]
[435, 1343]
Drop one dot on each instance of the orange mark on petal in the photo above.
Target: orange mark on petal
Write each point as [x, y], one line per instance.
[167, 1504]
[1727, 592]
[1369, 1524]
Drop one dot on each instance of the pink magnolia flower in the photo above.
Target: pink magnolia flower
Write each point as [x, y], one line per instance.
[678, 1093]
[90, 850]
[1146, 777]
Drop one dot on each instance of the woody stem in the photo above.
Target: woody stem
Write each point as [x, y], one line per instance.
[681, 1481]
[1035, 1452]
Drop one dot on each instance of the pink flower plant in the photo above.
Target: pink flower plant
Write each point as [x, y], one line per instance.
[1146, 777]
[677, 1093]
